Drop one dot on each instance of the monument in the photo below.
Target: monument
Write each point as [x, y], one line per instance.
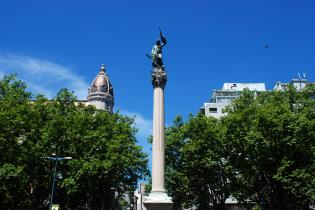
[158, 199]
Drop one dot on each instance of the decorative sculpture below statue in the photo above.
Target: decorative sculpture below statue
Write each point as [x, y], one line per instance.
[156, 52]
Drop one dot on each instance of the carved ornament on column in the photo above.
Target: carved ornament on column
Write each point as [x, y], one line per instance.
[159, 77]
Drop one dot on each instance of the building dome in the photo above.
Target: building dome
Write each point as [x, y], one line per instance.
[101, 93]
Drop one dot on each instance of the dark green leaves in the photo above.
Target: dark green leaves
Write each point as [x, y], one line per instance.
[106, 162]
[261, 152]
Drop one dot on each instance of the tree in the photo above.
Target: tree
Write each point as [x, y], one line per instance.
[198, 175]
[106, 160]
[261, 152]
[270, 143]
[15, 189]
[176, 182]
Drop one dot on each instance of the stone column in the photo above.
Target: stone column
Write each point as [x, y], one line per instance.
[158, 199]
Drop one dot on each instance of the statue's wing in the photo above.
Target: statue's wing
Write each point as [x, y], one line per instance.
[163, 38]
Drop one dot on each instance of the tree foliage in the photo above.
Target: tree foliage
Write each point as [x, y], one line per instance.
[271, 142]
[261, 152]
[106, 162]
[196, 172]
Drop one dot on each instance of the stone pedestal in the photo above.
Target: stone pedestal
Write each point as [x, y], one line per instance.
[158, 199]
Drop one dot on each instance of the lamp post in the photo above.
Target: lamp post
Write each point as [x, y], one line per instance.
[141, 191]
[56, 159]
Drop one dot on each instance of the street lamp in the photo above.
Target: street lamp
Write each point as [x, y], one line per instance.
[56, 159]
[141, 191]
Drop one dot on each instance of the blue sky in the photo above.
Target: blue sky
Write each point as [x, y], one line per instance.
[55, 44]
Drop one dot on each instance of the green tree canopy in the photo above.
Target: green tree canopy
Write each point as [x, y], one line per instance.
[195, 170]
[106, 162]
[262, 153]
[270, 143]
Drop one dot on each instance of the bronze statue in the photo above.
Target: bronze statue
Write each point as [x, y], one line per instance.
[156, 53]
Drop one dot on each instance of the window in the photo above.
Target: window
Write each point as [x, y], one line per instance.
[223, 99]
[213, 110]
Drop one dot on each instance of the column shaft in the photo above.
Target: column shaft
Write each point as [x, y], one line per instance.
[158, 141]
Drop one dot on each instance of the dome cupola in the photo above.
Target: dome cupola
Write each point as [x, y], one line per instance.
[101, 93]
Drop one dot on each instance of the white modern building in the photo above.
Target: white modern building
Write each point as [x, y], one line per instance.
[221, 98]
[298, 84]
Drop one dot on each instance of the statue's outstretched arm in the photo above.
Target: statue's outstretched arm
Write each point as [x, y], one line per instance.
[163, 38]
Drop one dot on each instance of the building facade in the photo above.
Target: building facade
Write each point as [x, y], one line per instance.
[298, 84]
[221, 98]
[101, 92]
[230, 91]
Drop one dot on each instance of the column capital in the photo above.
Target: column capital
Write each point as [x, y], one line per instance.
[159, 77]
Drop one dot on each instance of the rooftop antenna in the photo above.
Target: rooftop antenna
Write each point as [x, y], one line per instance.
[300, 80]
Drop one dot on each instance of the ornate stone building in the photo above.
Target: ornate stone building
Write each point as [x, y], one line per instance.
[101, 92]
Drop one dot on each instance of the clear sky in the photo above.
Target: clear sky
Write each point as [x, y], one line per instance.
[55, 44]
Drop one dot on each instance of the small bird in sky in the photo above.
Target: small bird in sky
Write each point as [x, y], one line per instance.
[266, 45]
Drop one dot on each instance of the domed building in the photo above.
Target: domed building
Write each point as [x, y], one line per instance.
[101, 92]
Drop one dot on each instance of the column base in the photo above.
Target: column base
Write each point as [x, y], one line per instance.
[157, 201]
